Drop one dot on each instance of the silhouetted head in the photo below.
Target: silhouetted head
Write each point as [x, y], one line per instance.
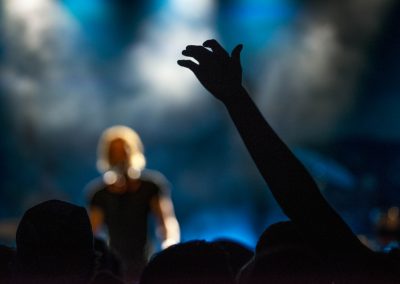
[280, 234]
[195, 262]
[238, 254]
[54, 239]
[6, 258]
[283, 255]
[120, 148]
[295, 265]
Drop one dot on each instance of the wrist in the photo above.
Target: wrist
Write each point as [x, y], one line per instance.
[235, 96]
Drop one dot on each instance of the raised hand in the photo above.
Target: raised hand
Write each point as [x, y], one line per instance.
[219, 72]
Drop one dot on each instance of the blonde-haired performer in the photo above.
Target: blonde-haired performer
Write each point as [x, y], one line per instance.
[125, 196]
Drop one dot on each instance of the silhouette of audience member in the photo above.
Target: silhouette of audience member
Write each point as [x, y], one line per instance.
[290, 183]
[283, 255]
[106, 259]
[105, 277]
[281, 235]
[238, 254]
[194, 262]
[7, 255]
[124, 198]
[54, 245]
[295, 265]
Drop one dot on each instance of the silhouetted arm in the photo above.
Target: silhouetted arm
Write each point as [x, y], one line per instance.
[289, 181]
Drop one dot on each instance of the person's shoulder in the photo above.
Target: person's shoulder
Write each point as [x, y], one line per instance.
[155, 178]
[94, 187]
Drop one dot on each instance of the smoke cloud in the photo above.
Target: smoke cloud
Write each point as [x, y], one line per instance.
[310, 81]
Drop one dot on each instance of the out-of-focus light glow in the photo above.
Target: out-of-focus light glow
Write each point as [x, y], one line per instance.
[262, 12]
[192, 9]
[393, 213]
[255, 22]
[110, 177]
[36, 17]
[210, 225]
[29, 11]
[24, 6]
[133, 173]
[155, 62]
[88, 9]
[167, 32]
[327, 170]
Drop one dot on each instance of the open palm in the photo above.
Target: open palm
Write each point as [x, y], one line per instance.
[217, 71]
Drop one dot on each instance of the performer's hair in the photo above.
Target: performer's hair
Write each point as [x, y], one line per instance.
[132, 140]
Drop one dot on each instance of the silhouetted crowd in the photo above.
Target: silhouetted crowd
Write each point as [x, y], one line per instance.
[55, 243]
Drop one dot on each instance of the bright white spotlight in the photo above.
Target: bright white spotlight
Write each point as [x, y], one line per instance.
[194, 9]
[37, 19]
[23, 6]
[153, 59]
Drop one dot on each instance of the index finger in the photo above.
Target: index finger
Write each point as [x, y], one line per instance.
[216, 47]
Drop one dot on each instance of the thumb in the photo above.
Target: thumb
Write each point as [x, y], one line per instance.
[235, 55]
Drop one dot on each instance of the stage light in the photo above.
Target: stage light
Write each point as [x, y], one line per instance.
[193, 9]
[23, 6]
[35, 20]
[166, 32]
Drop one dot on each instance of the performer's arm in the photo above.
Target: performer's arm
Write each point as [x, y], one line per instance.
[96, 216]
[289, 181]
[168, 226]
